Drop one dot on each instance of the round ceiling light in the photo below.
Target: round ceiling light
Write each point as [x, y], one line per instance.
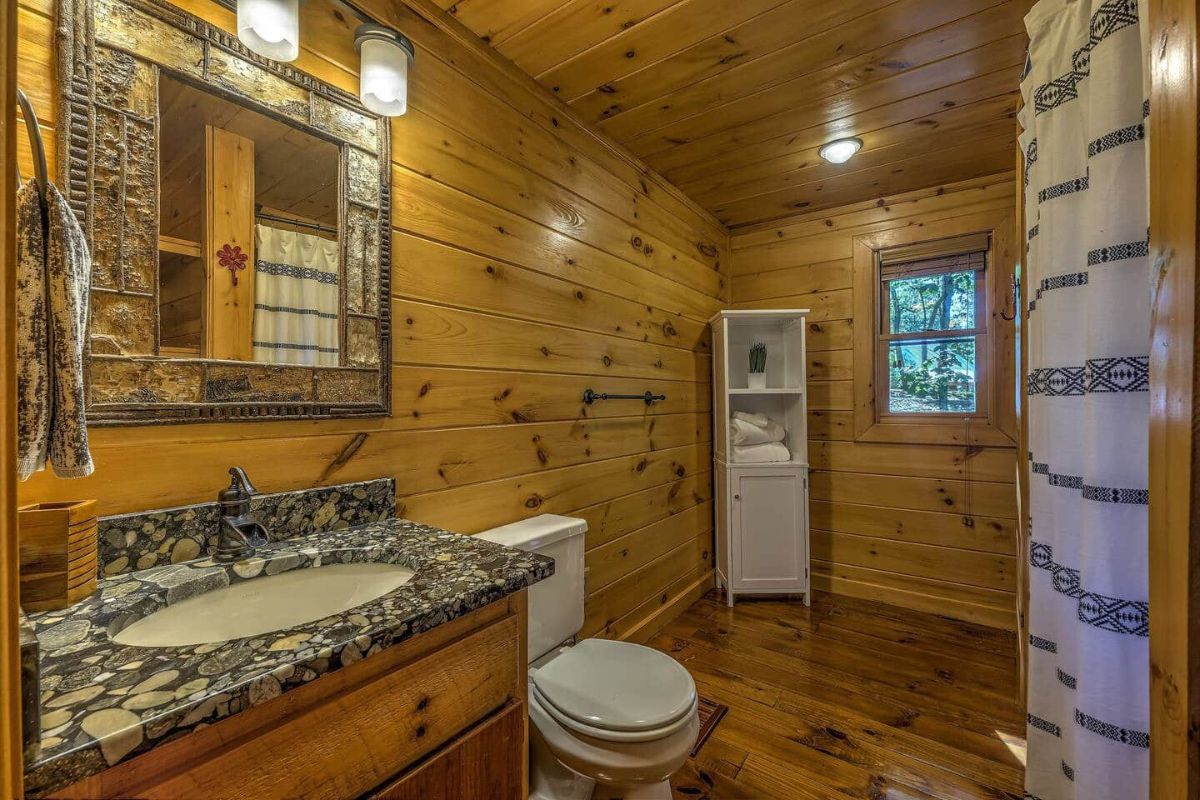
[840, 150]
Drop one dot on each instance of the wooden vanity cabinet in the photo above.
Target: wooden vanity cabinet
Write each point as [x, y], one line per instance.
[475, 766]
[442, 715]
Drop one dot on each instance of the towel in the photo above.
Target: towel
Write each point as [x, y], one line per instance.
[53, 281]
[757, 420]
[742, 433]
[762, 453]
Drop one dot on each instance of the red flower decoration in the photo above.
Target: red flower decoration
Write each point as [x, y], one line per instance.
[233, 259]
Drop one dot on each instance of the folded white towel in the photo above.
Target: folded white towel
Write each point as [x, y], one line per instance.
[743, 433]
[757, 420]
[761, 453]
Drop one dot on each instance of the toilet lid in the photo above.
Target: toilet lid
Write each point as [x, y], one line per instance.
[616, 686]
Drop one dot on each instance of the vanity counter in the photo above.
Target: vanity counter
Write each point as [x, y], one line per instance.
[103, 703]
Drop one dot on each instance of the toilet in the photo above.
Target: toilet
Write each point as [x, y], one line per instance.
[604, 715]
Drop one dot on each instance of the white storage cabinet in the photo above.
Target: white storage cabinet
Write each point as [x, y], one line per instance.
[762, 542]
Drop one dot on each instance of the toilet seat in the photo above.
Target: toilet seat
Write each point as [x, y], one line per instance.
[615, 691]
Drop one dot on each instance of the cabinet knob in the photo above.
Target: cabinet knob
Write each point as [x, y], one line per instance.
[737, 497]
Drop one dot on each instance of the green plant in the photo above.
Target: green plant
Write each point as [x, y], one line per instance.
[758, 357]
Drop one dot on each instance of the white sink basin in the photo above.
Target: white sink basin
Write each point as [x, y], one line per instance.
[264, 605]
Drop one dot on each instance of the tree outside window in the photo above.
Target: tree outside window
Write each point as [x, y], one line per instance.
[931, 314]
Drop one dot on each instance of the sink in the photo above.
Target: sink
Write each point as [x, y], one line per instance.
[264, 605]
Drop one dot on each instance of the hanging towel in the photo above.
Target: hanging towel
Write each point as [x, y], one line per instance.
[295, 298]
[53, 281]
[772, 452]
[33, 336]
[742, 433]
[757, 420]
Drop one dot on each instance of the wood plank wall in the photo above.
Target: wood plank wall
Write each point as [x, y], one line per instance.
[927, 527]
[532, 259]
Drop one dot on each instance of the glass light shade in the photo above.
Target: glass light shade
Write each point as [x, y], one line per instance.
[383, 71]
[270, 28]
[840, 151]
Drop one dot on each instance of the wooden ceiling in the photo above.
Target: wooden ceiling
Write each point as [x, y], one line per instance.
[730, 100]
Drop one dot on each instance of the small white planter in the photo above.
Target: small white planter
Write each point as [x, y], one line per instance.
[756, 380]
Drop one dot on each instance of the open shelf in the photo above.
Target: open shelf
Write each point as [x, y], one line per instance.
[178, 246]
[768, 390]
[767, 464]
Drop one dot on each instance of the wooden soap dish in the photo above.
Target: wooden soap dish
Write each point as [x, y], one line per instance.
[58, 553]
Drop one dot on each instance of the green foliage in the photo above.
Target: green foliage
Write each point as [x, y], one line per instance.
[932, 302]
[758, 357]
[936, 375]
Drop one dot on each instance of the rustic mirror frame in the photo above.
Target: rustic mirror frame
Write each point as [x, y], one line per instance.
[110, 57]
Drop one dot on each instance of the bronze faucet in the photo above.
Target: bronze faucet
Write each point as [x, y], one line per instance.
[240, 533]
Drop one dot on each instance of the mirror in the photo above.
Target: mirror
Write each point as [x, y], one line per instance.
[237, 211]
[229, 178]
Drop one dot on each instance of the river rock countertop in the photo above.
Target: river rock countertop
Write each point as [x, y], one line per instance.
[103, 702]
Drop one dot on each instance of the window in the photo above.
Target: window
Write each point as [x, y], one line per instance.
[934, 357]
[932, 331]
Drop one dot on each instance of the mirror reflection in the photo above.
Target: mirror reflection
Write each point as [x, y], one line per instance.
[257, 201]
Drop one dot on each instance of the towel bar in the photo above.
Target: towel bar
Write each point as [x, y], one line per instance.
[650, 399]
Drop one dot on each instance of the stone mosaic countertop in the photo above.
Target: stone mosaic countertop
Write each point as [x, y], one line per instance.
[103, 702]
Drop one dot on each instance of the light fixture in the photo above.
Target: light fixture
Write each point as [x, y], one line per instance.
[384, 56]
[270, 28]
[839, 151]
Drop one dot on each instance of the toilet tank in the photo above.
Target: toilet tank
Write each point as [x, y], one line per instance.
[555, 604]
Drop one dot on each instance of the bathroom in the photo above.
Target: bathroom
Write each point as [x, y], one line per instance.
[564, 399]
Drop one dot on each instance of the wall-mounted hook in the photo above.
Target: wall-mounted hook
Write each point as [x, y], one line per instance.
[1011, 301]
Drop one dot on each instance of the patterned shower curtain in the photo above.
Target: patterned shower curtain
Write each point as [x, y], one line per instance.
[295, 298]
[1088, 291]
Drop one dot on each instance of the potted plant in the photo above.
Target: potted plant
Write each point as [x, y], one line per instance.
[756, 378]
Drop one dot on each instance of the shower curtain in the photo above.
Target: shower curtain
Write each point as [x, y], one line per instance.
[1085, 119]
[295, 298]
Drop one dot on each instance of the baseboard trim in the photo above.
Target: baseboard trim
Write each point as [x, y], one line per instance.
[671, 609]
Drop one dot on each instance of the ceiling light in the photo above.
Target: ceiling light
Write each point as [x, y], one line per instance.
[839, 151]
[270, 28]
[384, 57]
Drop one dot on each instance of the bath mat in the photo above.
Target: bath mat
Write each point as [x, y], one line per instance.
[710, 714]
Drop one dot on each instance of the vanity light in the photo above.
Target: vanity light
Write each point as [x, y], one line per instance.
[840, 151]
[270, 28]
[384, 57]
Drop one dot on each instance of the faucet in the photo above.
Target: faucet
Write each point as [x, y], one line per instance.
[240, 533]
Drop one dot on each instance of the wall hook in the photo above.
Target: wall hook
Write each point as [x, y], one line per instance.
[1011, 301]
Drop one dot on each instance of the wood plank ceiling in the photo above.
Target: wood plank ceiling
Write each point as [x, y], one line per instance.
[730, 100]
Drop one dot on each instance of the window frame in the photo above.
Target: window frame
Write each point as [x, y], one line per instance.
[993, 423]
[948, 249]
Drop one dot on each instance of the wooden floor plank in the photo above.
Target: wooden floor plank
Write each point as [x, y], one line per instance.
[804, 639]
[849, 698]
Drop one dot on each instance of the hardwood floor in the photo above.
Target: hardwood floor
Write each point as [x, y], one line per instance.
[849, 699]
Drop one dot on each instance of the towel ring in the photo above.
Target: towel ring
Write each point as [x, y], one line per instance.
[33, 129]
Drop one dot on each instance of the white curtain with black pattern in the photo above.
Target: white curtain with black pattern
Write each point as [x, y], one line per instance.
[1087, 280]
[295, 298]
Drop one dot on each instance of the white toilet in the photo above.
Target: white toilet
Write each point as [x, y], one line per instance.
[603, 713]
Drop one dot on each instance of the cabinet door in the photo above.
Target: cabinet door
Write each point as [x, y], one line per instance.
[769, 547]
[486, 763]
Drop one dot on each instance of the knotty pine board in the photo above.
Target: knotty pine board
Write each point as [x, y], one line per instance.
[927, 527]
[532, 260]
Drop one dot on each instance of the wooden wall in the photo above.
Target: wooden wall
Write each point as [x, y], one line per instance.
[533, 259]
[927, 527]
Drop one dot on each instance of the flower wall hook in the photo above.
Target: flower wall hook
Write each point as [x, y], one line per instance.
[233, 259]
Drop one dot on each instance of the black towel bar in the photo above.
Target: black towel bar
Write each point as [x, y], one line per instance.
[650, 399]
